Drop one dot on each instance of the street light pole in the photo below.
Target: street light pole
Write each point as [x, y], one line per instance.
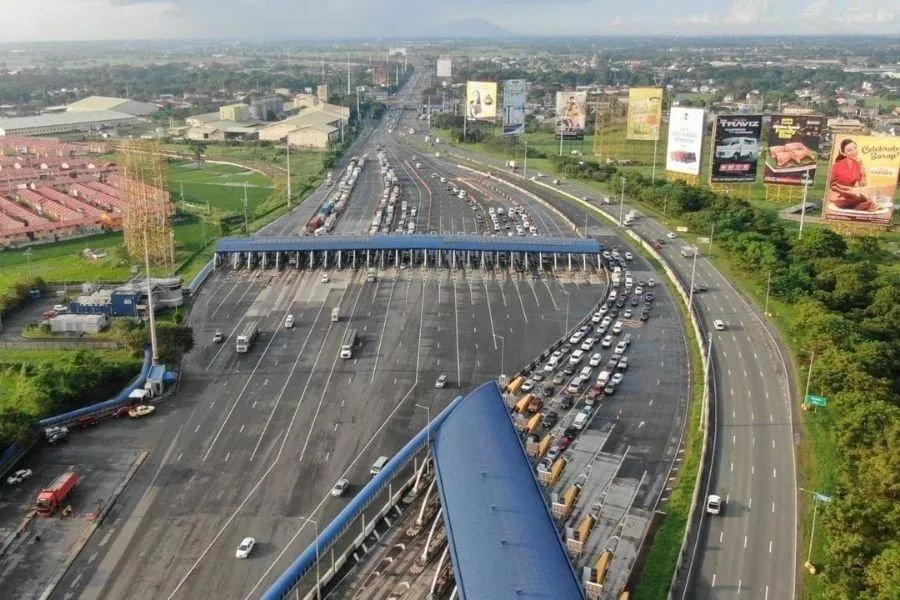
[693, 270]
[812, 359]
[806, 183]
[28, 252]
[525, 168]
[622, 202]
[246, 222]
[427, 419]
[502, 352]
[768, 287]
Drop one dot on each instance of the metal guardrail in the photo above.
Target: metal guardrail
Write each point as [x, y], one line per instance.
[198, 281]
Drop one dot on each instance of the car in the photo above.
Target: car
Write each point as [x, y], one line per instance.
[441, 382]
[620, 304]
[715, 505]
[569, 369]
[551, 418]
[645, 316]
[141, 410]
[606, 322]
[638, 290]
[603, 309]
[649, 297]
[558, 354]
[617, 379]
[218, 336]
[627, 313]
[623, 364]
[559, 379]
[627, 339]
[575, 386]
[600, 331]
[551, 365]
[326, 277]
[595, 392]
[588, 343]
[85, 422]
[609, 389]
[576, 337]
[576, 357]
[289, 322]
[671, 235]
[651, 283]
[566, 348]
[340, 487]
[18, 477]
[528, 385]
[635, 301]
[719, 324]
[584, 329]
[123, 411]
[611, 364]
[548, 391]
[607, 341]
[595, 360]
[551, 455]
[598, 316]
[621, 347]
[629, 256]
[245, 547]
[656, 245]
[566, 401]
[537, 376]
[585, 373]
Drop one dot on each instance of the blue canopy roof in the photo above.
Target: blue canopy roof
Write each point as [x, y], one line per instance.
[409, 242]
[503, 541]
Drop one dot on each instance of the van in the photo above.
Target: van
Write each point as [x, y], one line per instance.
[603, 377]
[617, 328]
[289, 322]
[378, 466]
[580, 421]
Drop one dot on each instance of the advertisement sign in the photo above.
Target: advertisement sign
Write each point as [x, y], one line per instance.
[735, 148]
[793, 149]
[685, 143]
[644, 114]
[514, 94]
[862, 179]
[444, 66]
[481, 99]
[571, 115]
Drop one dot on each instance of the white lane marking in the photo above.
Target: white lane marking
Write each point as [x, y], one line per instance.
[713, 583]
[733, 439]
[770, 546]
[227, 456]
[732, 467]
[745, 542]
[739, 587]
[197, 429]
[387, 311]
[773, 507]
[773, 443]
[750, 503]
[241, 431]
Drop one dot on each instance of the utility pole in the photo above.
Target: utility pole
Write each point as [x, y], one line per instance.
[622, 202]
[525, 166]
[153, 343]
[348, 73]
[806, 182]
[246, 221]
[288, 146]
[768, 287]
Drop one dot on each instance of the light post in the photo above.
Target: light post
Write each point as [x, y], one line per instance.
[427, 418]
[812, 359]
[502, 353]
[525, 168]
[817, 497]
[28, 252]
[806, 182]
[622, 202]
[768, 287]
[318, 577]
[566, 331]
[246, 222]
[693, 270]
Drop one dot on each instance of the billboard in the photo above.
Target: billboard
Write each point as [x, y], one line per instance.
[685, 144]
[571, 115]
[394, 51]
[644, 114]
[514, 93]
[444, 66]
[862, 179]
[793, 149]
[481, 99]
[735, 148]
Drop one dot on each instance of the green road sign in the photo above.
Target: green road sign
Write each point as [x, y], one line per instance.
[816, 400]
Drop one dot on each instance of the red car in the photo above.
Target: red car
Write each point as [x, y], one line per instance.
[85, 422]
[122, 411]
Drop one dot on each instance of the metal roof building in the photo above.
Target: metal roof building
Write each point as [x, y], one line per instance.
[503, 542]
[66, 122]
[122, 105]
[475, 243]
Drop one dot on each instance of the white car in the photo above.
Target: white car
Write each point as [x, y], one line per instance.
[714, 504]
[616, 379]
[607, 341]
[651, 283]
[588, 344]
[596, 359]
[629, 256]
[326, 277]
[528, 385]
[576, 357]
[621, 347]
[141, 410]
[18, 477]
[289, 322]
[719, 324]
[441, 382]
[245, 548]
[671, 235]
[576, 337]
[551, 365]
[340, 487]
[627, 313]
[638, 290]
[598, 316]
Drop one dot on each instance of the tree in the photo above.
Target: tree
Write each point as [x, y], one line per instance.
[198, 148]
[883, 574]
[820, 242]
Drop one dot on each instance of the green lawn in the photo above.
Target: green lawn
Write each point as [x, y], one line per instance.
[15, 356]
[218, 187]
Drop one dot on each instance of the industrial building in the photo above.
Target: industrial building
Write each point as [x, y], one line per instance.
[121, 105]
[78, 323]
[267, 108]
[67, 122]
[239, 112]
[323, 122]
[130, 299]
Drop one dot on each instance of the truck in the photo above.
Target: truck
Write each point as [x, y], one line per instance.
[50, 498]
[370, 275]
[688, 251]
[512, 164]
[336, 314]
[245, 339]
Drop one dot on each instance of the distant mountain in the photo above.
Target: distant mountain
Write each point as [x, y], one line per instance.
[471, 28]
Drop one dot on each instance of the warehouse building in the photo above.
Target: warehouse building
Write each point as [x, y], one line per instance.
[122, 105]
[67, 122]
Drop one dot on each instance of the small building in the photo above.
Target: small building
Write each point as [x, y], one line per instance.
[114, 303]
[267, 108]
[239, 112]
[322, 92]
[317, 136]
[90, 323]
[198, 120]
[168, 292]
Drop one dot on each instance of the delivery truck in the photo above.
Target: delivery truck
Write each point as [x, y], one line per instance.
[245, 339]
[51, 497]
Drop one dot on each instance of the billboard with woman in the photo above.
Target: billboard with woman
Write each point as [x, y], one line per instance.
[481, 100]
[644, 114]
[862, 180]
[571, 115]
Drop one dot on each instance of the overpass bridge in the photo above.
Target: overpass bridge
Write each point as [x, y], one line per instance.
[422, 250]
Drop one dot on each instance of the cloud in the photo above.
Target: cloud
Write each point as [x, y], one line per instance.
[817, 8]
[701, 19]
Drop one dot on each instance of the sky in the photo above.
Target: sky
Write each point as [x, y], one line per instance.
[28, 20]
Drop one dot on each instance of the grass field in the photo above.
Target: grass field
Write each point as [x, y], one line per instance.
[218, 187]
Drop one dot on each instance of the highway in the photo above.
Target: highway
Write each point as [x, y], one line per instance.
[750, 551]
[252, 443]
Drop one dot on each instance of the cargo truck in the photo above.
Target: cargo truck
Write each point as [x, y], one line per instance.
[336, 314]
[245, 339]
[51, 497]
[370, 275]
[511, 164]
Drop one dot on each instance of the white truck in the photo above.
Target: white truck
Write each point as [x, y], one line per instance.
[336, 314]
[245, 339]
[512, 164]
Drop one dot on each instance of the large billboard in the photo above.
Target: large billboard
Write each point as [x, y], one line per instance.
[862, 179]
[481, 99]
[444, 66]
[793, 149]
[685, 144]
[735, 150]
[571, 115]
[514, 93]
[644, 114]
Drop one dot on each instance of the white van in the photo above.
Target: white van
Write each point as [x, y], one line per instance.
[613, 295]
[378, 466]
[603, 377]
[617, 328]
[580, 421]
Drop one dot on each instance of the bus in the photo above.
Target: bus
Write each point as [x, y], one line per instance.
[349, 342]
[246, 337]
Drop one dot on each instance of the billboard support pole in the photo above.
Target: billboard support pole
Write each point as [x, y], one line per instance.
[525, 167]
[803, 206]
[465, 122]
[653, 172]
[560, 142]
